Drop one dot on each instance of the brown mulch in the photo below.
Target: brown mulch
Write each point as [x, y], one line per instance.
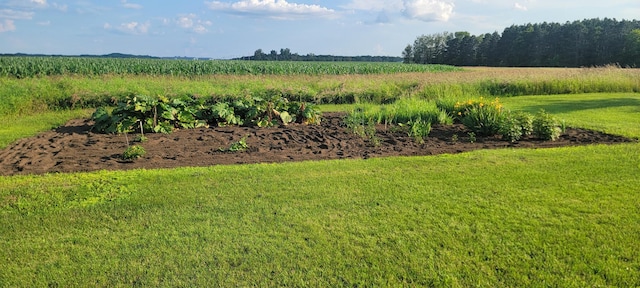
[73, 148]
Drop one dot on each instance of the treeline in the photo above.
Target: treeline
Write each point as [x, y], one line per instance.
[286, 55]
[586, 43]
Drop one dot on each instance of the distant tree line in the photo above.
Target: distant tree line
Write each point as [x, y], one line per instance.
[591, 42]
[286, 55]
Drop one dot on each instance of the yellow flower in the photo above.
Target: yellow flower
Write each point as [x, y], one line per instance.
[459, 113]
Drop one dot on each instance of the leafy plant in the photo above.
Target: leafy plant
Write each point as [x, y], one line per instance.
[285, 117]
[133, 152]
[362, 125]
[419, 129]
[525, 120]
[546, 127]
[223, 114]
[163, 115]
[510, 128]
[472, 137]
[103, 121]
[305, 113]
[240, 145]
[140, 138]
[515, 125]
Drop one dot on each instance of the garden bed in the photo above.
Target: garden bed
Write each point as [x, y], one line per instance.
[73, 148]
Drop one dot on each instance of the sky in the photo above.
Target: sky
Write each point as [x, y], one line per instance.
[224, 29]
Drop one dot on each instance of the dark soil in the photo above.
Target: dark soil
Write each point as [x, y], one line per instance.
[73, 147]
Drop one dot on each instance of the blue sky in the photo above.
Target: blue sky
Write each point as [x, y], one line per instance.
[232, 28]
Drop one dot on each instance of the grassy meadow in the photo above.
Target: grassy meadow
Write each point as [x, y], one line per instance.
[564, 217]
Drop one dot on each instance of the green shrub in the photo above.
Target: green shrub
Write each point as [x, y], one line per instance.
[546, 127]
[526, 122]
[514, 125]
[510, 128]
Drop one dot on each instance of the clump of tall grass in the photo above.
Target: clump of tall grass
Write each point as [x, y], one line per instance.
[417, 115]
[406, 110]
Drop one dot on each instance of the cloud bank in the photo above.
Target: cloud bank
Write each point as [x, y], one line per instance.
[423, 10]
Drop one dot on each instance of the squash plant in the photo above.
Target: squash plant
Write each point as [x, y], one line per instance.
[156, 114]
[163, 115]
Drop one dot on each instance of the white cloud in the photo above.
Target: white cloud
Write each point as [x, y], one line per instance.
[45, 23]
[200, 29]
[191, 22]
[133, 28]
[61, 7]
[277, 9]
[186, 21]
[7, 25]
[375, 5]
[520, 7]
[40, 3]
[128, 5]
[12, 14]
[425, 10]
[35, 4]
[428, 10]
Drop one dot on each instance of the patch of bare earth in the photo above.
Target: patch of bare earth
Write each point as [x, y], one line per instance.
[73, 148]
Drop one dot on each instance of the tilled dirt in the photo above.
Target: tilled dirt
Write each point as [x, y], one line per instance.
[73, 148]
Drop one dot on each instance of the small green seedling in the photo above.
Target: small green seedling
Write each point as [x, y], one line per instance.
[133, 152]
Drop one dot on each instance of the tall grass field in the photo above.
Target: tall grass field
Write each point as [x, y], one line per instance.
[71, 91]
[561, 217]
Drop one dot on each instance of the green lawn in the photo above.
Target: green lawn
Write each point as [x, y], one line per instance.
[616, 113]
[14, 127]
[565, 217]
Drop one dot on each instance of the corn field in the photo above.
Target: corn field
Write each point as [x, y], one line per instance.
[26, 67]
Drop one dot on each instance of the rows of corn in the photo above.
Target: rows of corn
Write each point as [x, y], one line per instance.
[31, 66]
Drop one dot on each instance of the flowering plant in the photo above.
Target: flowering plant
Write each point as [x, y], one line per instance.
[480, 116]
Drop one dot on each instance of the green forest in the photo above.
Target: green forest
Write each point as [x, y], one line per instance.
[585, 43]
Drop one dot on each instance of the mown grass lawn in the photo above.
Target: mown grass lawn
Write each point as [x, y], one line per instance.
[564, 217]
[616, 113]
[559, 217]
